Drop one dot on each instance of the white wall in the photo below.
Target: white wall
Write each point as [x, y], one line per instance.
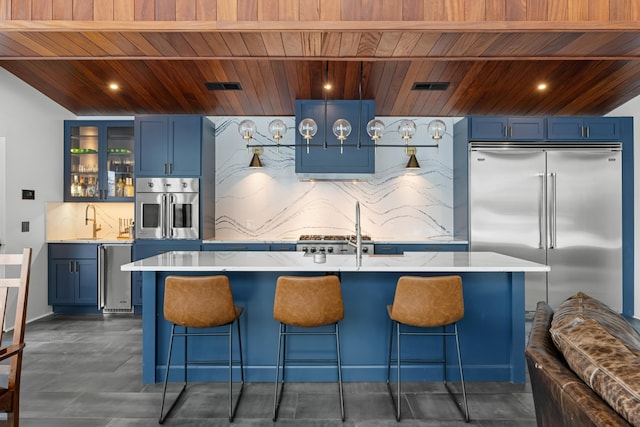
[33, 127]
[632, 108]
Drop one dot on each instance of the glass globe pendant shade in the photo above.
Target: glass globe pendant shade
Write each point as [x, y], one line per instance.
[247, 129]
[341, 129]
[277, 129]
[436, 129]
[375, 129]
[308, 128]
[407, 129]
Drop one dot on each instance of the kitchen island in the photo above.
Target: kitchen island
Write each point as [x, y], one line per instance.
[492, 332]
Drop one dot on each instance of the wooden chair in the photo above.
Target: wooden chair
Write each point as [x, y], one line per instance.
[10, 395]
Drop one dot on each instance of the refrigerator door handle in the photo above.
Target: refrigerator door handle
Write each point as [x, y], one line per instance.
[542, 203]
[101, 273]
[552, 217]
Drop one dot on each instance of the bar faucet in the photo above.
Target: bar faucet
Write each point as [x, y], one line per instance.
[96, 226]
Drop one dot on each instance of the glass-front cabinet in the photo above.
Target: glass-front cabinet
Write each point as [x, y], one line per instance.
[98, 160]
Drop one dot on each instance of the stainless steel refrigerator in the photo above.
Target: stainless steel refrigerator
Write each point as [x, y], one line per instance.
[556, 204]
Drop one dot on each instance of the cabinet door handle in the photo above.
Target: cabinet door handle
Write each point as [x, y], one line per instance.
[170, 168]
[588, 131]
[581, 131]
[70, 266]
[506, 130]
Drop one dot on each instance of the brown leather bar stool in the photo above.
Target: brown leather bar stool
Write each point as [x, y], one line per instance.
[307, 302]
[427, 302]
[201, 302]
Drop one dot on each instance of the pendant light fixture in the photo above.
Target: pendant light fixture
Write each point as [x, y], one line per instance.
[246, 129]
[342, 130]
[278, 130]
[406, 129]
[308, 129]
[375, 129]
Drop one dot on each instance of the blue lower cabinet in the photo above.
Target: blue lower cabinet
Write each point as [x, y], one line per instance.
[400, 248]
[283, 247]
[73, 278]
[246, 247]
[148, 248]
[235, 247]
[386, 249]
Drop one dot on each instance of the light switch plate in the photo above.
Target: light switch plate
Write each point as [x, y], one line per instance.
[28, 194]
[25, 226]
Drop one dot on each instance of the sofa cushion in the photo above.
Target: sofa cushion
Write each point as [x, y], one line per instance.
[582, 306]
[603, 350]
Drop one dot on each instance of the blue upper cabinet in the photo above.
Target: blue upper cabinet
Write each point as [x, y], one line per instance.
[506, 128]
[98, 160]
[332, 158]
[583, 129]
[168, 145]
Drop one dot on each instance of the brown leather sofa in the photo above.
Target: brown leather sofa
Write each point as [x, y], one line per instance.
[560, 397]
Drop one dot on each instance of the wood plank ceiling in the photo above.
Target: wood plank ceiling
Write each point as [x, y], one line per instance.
[490, 71]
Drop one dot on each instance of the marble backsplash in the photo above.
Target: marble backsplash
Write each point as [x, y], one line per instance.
[273, 203]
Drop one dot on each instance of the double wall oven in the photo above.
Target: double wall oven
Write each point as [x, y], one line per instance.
[167, 208]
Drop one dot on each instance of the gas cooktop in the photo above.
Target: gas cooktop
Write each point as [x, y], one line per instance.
[336, 244]
[330, 237]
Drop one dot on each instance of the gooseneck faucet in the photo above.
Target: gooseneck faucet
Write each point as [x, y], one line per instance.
[358, 243]
[358, 235]
[96, 227]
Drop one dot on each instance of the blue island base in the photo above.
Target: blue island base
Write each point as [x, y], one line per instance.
[492, 332]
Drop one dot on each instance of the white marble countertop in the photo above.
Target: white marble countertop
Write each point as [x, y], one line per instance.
[387, 240]
[89, 240]
[297, 261]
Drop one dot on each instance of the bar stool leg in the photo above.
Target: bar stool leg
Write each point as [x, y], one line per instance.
[166, 379]
[278, 396]
[464, 391]
[397, 401]
[337, 330]
[233, 407]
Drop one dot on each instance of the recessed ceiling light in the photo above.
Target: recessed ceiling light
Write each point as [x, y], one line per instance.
[542, 86]
[114, 86]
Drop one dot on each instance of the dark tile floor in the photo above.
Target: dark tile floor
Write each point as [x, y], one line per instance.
[85, 371]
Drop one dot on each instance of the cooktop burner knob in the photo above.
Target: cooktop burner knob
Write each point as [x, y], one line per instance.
[305, 249]
[365, 250]
[312, 250]
[322, 249]
[330, 249]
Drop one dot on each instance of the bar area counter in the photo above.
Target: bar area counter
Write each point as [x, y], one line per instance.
[492, 332]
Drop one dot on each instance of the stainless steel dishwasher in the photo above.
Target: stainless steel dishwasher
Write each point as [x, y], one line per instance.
[114, 285]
